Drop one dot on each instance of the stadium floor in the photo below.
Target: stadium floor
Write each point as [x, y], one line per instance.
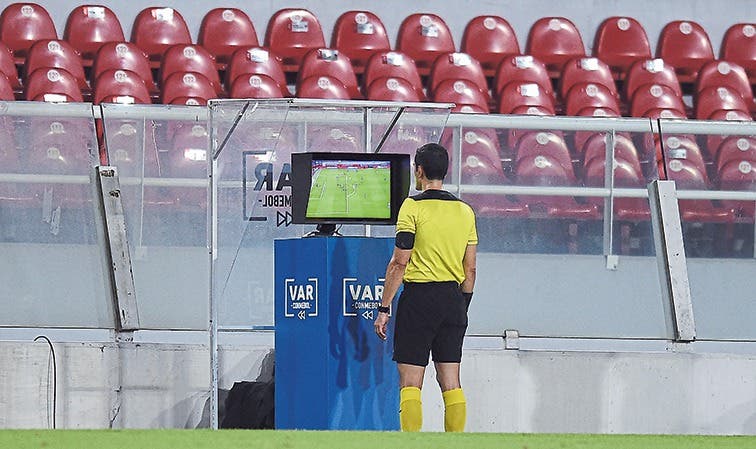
[269, 439]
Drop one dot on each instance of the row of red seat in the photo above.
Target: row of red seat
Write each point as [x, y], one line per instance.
[290, 33]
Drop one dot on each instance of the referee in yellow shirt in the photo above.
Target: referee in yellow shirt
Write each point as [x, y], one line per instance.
[434, 256]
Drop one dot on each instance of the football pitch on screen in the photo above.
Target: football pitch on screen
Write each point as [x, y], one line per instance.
[350, 193]
[273, 439]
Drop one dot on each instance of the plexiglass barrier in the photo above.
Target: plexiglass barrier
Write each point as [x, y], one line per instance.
[51, 271]
[715, 172]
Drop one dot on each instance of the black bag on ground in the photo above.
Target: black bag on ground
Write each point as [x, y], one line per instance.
[250, 405]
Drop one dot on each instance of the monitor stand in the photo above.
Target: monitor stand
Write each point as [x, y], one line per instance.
[323, 230]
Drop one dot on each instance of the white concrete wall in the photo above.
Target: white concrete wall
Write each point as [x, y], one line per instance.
[147, 385]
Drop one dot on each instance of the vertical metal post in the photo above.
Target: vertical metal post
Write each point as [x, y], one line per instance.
[457, 152]
[112, 231]
[609, 201]
[670, 257]
[367, 116]
[212, 253]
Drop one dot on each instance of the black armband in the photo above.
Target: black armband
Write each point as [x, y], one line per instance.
[382, 309]
[404, 240]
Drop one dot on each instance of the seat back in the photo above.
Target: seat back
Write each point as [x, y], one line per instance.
[536, 143]
[52, 81]
[55, 54]
[739, 46]
[590, 95]
[323, 87]
[156, 29]
[123, 55]
[489, 39]
[116, 83]
[685, 45]
[457, 66]
[461, 92]
[256, 60]
[586, 70]
[713, 99]
[22, 24]
[189, 58]
[524, 69]
[8, 66]
[619, 42]
[90, 26]
[651, 71]
[224, 30]
[6, 88]
[256, 85]
[330, 62]
[624, 149]
[735, 148]
[739, 175]
[517, 93]
[392, 89]
[359, 34]
[187, 84]
[392, 64]
[727, 74]
[291, 34]
[554, 40]
[655, 96]
[424, 37]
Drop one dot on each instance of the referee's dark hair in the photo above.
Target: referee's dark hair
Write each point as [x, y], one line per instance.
[434, 159]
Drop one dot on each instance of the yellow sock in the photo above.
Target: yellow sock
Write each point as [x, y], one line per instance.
[455, 410]
[410, 409]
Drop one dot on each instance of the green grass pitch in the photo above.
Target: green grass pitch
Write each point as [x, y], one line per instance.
[270, 439]
[350, 193]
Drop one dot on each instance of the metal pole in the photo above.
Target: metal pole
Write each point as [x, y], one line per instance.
[212, 251]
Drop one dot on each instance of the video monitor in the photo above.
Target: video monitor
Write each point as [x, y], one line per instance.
[353, 188]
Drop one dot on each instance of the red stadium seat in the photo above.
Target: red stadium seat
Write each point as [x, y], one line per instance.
[739, 175]
[52, 81]
[654, 96]
[156, 29]
[581, 137]
[22, 24]
[393, 65]
[489, 39]
[324, 87]
[590, 95]
[735, 148]
[517, 94]
[6, 89]
[187, 158]
[114, 84]
[586, 70]
[713, 141]
[685, 147]
[256, 85]
[652, 71]
[189, 58]
[424, 37]
[525, 69]
[225, 30]
[291, 34]
[89, 27]
[626, 176]
[535, 143]
[359, 35]
[126, 56]
[8, 66]
[392, 89]
[739, 46]
[256, 60]
[325, 61]
[726, 74]
[665, 113]
[56, 54]
[457, 66]
[189, 101]
[685, 46]
[554, 40]
[619, 42]
[187, 84]
[461, 93]
[594, 150]
[688, 176]
[713, 99]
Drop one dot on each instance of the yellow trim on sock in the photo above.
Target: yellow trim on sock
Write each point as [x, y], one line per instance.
[455, 396]
[409, 394]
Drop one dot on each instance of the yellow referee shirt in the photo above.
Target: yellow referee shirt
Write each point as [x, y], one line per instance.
[437, 226]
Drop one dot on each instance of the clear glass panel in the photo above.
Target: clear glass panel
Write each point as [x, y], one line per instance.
[714, 167]
[254, 185]
[162, 166]
[51, 269]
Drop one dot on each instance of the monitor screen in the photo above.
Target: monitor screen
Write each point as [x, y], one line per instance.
[334, 188]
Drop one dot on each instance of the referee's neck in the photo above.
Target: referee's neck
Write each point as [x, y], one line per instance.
[434, 184]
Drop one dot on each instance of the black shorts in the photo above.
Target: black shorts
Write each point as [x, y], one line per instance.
[430, 318]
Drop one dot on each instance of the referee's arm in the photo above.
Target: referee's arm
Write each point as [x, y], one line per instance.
[394, 274]
[468, 263]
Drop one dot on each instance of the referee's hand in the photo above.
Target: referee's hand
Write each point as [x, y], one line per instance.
[380, 325]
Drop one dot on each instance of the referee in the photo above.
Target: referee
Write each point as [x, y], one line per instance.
[434, 256]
